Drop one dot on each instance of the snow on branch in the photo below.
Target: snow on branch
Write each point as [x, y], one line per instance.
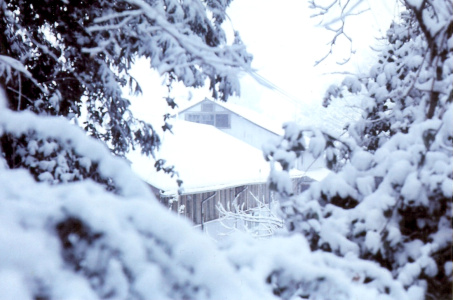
[185, 49]
[259, 221]
[22, 123]
[9, 64]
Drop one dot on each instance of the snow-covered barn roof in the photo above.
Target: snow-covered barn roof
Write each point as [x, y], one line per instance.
[252, 116]
[206, 159]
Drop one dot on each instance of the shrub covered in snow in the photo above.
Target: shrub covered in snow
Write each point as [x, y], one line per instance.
[390, 199]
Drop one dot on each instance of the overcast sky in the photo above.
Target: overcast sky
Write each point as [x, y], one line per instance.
[285, 43]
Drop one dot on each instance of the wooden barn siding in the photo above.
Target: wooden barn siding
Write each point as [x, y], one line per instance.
[192, 202]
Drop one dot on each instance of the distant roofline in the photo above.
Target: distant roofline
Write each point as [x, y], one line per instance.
[190, 106]
[221, 186]
[229, 109]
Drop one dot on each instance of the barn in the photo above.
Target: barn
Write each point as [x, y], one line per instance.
[214, 166]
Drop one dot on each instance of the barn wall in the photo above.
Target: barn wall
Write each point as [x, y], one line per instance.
[189, 205]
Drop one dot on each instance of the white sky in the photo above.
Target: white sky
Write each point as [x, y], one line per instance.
[285, 44]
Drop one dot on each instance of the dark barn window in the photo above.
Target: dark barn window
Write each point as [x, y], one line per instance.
[218, 120]
[207, 119]
[222, 120]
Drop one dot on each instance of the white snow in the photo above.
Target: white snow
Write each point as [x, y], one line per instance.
[448, 268]
[408, 274]
[11, 285]
[26, 232]
[416, 3]
[317, 144]
[59, 129]
[362, 160]
[205, 158]
[353, 84]
[412, 188]
[365, 185]
[372, 241]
